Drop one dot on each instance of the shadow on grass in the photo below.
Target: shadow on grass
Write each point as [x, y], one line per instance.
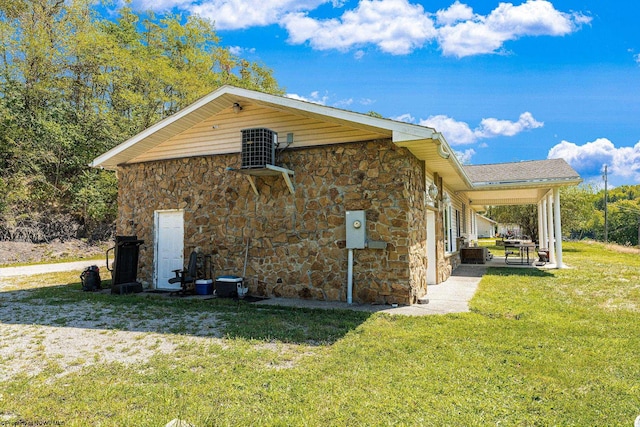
[68, 306]
[523, 272]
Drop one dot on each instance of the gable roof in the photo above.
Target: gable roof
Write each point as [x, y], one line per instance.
[425, 143]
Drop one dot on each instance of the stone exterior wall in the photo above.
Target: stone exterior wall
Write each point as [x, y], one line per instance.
[297, 241]
[417, 222]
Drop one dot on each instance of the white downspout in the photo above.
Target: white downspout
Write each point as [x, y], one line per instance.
[350, 278]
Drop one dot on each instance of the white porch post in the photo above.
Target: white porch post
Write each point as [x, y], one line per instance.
[474, 222]
[552, 251]
[540, 232]
[558, 226]
[545, 235]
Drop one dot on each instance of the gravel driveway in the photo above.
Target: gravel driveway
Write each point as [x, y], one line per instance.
[38, 334]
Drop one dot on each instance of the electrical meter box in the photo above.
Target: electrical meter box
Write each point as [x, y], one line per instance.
[356, 229]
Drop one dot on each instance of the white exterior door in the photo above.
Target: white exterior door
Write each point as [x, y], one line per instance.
[169, 245]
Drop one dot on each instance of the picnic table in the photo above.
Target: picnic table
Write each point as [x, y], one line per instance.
[521, 252]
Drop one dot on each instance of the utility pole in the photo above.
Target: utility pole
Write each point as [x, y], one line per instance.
[606, 224]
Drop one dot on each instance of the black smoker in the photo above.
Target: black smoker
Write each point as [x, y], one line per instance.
[125, 265]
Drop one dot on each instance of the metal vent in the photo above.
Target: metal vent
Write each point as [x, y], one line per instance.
[258, 148]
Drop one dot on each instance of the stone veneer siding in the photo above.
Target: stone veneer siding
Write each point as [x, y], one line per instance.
[297, 241]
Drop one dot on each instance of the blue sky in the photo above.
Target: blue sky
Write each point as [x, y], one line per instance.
[511, 81]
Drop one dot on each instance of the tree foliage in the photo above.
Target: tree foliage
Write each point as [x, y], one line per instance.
[525, 216]
[624, 223]
[73, 85]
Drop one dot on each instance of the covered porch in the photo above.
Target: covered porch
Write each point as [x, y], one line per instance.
[526, 183]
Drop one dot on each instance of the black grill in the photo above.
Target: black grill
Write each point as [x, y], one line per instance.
[258, 148]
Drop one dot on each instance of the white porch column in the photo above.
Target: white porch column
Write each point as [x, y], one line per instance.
[474, 223]
[557, 226]
[544, 240]
[552, 251]
[540, 232]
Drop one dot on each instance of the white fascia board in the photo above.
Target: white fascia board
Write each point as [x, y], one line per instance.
[402, 138]
[528, 183]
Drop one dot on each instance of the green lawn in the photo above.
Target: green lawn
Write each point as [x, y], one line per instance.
[538, 348]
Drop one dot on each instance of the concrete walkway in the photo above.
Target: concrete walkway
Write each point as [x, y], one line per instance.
[451, 296]
[49, 268]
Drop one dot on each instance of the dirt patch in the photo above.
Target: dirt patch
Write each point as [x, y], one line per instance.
[623, 249]
[21, 252]
[36, 335]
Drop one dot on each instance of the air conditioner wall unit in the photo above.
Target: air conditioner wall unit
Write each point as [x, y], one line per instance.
[258, 148]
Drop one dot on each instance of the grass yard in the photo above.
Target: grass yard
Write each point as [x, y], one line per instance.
[538, 348]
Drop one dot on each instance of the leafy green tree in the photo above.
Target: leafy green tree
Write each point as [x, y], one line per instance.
[525, 216]
[624, 222]
[579, 218]
[73, 85]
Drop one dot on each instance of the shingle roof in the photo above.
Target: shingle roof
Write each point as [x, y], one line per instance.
[529, 171]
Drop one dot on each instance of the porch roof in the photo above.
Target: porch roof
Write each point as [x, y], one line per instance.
[517, 183]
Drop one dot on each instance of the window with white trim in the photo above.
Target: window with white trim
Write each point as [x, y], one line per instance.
[449, 240]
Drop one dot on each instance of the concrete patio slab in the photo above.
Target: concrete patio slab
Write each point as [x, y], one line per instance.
[451, 296]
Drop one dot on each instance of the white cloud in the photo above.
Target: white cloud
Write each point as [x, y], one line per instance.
[400, 27]
[325, 99]
[455, 132]
[344, 103]
[407, 118]
[238, 50]
[494, 127]
[588, 159]
[395, 26]
[487, 34]
[460, 133]
[636, 57]
[235, 14]
[465, 156]
[314, 97]
[455, 13]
